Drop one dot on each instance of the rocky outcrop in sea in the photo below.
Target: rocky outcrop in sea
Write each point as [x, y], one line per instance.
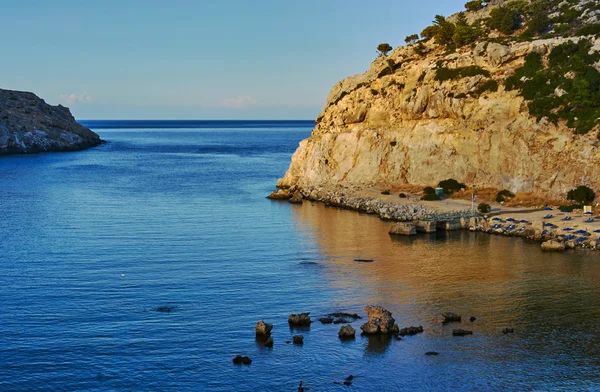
[30, 125]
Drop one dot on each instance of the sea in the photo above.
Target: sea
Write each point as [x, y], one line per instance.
[145, 263]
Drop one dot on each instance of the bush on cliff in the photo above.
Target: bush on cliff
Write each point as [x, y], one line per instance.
[504, 195]
[484, 208]
[451, 185]
[582, 195]
[429, 190]
[474, 5]
[568, 89]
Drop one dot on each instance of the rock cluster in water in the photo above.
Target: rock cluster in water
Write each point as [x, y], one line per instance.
[29, 125]
[380, 321]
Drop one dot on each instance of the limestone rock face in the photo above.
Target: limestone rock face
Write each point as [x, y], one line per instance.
[380, 321]
[391, 129]
[30, 125]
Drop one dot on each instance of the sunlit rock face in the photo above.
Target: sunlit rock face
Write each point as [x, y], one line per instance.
[30, 125]
[401, 126]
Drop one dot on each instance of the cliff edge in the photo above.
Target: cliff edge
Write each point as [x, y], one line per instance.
[30, 125]
[515, 109]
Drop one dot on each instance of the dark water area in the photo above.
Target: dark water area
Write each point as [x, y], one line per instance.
[94, 242]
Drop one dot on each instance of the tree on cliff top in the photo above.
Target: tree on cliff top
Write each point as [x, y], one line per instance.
[474, 5]
[384, 49]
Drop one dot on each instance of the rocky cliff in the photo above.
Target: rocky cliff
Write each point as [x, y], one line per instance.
[405, 121]
[30, 125]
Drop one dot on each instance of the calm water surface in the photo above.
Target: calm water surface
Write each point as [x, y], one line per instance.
[93, 242]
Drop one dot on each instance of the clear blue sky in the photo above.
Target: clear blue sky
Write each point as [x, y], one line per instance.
[202, 59]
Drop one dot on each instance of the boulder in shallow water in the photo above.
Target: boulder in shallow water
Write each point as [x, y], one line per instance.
[298, 339]
[346, 332]
[403, 228]
[553, 246]
[299, 320]
[242, 360]
[262, 329]
[380, 321]
[450, 317]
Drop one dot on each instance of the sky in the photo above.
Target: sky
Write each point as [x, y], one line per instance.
[198, 59]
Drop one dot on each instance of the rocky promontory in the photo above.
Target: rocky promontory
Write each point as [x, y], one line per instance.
[494, 106]
[29, 125]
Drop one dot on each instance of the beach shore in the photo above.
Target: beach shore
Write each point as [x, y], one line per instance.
[569, 229]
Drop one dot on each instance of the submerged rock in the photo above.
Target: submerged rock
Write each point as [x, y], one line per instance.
[410, 331]
[345, 315]
[508, 330]
[340, 321]
[262, 329]
[242, 360]
[380, 321]
[432, 353]
[450, 317]
[346, 332]
[461, 332]
[298, 339]
[299, 320]
[326, 320]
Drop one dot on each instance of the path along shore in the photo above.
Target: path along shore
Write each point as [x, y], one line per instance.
[566, 230]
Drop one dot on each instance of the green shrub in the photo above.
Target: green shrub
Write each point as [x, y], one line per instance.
[504, 19]
[442, 74]
[386, 192]
[430, 197]
[402, 195]
[411, 39]
[571, 207]
[582, 195]
[451, 185]
[592, 29]
[429, 190]
[489, 85]
[504, 195]
[374, 92]
[460, 96]
[580, 106]
[484, 208]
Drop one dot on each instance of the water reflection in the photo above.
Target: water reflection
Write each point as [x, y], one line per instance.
[378, 344]
[551, 299]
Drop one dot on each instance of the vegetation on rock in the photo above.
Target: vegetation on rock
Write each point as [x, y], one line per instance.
[484, 208]
[451, 185]
[582, 195]
[504, 195]
[568, 88]
[383, 49]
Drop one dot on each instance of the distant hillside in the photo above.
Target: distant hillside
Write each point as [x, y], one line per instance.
[30, 125]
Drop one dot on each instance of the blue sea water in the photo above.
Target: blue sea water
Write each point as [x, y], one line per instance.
[173, 214]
